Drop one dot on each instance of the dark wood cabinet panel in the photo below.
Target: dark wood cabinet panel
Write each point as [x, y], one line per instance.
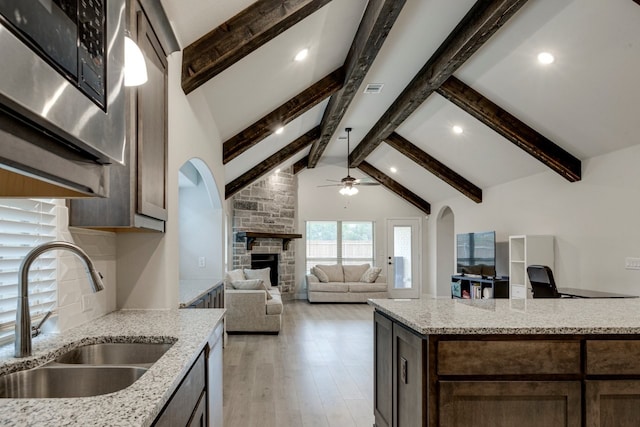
[613, 357]
[199, 417]
[409, 404]
[151, 126]
[184, 403]
[383, 371]
[510, 403]
[138, 189]
[612, 403]
[508, 357]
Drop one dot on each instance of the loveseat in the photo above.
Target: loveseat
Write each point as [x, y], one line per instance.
[345, 283]
[252, 304]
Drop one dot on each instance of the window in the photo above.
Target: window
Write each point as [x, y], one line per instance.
[24, 224]
[339, 242]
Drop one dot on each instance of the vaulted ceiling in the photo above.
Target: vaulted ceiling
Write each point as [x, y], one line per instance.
[443, 63]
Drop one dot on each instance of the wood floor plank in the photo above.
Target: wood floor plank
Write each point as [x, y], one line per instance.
[318, 372]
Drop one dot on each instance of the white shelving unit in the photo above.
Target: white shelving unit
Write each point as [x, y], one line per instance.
[523, 252]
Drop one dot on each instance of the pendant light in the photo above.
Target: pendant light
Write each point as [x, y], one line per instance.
[135, 69]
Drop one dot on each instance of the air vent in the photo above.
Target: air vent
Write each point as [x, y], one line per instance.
[373, 88]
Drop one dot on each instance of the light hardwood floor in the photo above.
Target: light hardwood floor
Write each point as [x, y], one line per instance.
[317, 372]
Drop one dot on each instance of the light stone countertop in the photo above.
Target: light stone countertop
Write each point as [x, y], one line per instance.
[136, 405]
[503, 316]
[192, 290]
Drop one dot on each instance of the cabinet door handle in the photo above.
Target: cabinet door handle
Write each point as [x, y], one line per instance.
[403, 370]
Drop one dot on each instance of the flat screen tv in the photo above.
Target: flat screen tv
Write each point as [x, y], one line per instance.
[476, 253]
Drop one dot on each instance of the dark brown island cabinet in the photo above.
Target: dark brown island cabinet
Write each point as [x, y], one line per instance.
[137, 190]
[519, 380]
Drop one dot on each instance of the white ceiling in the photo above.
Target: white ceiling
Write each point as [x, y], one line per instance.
[587, 101]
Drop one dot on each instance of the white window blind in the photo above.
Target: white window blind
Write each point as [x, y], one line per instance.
[25, 224]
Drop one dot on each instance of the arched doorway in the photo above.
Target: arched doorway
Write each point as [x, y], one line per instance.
[201, 223]
[445, 251]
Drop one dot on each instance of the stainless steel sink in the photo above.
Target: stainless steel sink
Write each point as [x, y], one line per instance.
[68, 381]
[115, 354]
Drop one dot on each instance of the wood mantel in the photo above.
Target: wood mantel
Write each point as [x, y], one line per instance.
[251, 237]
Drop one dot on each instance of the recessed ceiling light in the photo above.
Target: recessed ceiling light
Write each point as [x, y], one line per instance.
[457, 129]
[279, 130]
[300, 56]
[545, 58]
[393, 169]
[278, 170]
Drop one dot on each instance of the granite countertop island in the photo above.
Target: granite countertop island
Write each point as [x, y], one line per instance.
[517, 316]
[497, 362]
[136, 405]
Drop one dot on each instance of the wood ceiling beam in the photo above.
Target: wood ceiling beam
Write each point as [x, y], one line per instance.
[282, 115]
[397, 188]
[435, 167]
[271, 162]
[300, 165]
[512, 129]
[378, 18]
[239, 36]
[477, 26]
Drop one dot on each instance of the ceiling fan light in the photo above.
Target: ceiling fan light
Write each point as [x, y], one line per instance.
[348, 191]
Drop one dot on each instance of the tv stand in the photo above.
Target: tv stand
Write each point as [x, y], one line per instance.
[473, 287]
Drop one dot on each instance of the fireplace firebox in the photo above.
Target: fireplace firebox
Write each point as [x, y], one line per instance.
[259, 261]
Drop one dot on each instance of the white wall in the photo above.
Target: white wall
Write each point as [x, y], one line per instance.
[199, 226]
[148, 266]
[373, 203]
[593, 221]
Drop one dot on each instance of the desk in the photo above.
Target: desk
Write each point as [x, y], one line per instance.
[584, 293]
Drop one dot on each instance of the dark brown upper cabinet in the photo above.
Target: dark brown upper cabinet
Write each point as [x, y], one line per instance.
[138, 190]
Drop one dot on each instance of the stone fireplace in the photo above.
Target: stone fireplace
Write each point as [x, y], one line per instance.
[267, 206]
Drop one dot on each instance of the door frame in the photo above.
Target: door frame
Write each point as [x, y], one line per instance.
[416, 257]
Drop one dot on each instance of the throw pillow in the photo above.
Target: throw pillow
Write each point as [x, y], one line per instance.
[334, 272]
[232, 276]
[353, 273]
[371, 275]
[263, 273]
[321, 275]
[251, 285]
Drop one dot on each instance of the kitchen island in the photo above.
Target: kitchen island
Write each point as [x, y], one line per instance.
[192, 333]
[554, 362]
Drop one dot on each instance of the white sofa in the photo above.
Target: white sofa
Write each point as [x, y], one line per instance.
[344, 283]
[250, 310]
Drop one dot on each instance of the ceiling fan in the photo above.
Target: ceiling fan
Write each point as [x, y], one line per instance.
[348, 183]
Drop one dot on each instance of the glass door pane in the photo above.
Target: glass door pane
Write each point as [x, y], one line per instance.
[402, 257]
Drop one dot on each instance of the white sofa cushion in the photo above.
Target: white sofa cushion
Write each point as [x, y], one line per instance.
[262, 273]
[321, 275]
[274, 306]
[367, 287]
[353, 273]
[232, 276]
[370, 275]
[328, 287]
[250, 285]
[333, 272]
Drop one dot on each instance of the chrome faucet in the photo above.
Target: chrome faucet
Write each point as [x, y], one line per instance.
[23, 318]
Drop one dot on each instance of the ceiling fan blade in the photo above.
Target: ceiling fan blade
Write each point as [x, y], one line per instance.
[330, 185]
[367, 183]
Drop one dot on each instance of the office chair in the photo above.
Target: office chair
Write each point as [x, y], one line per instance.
[542, 283]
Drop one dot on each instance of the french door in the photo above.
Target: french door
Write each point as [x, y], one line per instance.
[403, 258]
